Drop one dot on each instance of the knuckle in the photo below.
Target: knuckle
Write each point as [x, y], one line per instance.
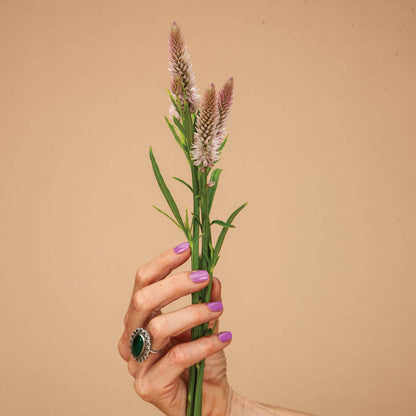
[141, 302]
[177, 357]
[122, 349]
[200, 313]
[132, 367]
[143, 388]
[139, 273]
[142, 276]
[156, 327]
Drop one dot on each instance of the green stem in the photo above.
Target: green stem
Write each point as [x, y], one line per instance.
[198, 388]
[195, 332]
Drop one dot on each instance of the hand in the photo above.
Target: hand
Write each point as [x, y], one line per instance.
[162, 378]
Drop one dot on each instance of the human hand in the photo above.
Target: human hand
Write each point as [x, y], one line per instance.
[162, 378]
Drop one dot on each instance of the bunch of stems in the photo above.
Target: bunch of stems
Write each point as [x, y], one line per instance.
[204, 254]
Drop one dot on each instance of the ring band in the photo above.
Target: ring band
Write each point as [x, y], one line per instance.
[140, 344]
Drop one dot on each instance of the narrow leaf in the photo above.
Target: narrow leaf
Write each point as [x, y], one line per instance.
[182, 181]
[165, 191]
[222, 145]
[167, 215]
[176, 103]
[188, 125]
[179, 125]
[223, 233]
[223, 224]
[215, 176]
[172, 129]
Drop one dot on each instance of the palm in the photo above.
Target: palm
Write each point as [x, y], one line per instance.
[214, 387]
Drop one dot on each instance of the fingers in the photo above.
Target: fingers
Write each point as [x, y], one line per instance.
[182, 356]
[185, 336]
[159, 294]
[162, 265]
[174, 324]
[158, 269]
[163, 327]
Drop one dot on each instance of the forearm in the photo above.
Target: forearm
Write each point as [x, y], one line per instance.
[241, 406]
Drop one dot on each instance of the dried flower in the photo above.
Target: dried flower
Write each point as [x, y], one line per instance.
[225, 99]
[180, 66]
[205, 146]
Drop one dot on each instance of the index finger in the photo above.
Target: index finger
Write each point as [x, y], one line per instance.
[161, 266]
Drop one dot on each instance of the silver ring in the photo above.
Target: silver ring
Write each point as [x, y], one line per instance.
[140, 345]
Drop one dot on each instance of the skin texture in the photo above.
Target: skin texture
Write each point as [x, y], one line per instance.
[162, 378]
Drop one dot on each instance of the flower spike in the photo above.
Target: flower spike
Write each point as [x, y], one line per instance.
[180, 66]
[205, 146]
[225, 99]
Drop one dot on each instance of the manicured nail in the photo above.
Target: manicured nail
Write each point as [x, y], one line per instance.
[199, 276]
[225, 336]
[215, 306]
[181, 248]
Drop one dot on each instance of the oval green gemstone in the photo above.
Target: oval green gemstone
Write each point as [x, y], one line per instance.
[137, 346]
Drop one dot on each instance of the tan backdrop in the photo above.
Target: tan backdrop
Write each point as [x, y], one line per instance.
[321, 267]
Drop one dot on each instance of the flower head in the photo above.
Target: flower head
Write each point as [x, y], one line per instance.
[180, 66]
[205, 146]
[225, 99]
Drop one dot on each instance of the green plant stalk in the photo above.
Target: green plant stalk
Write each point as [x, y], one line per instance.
[205, 260]
[195, 332]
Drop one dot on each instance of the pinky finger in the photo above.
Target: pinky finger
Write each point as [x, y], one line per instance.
[182, 356]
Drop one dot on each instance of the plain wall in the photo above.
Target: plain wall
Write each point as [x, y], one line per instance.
[319, 275]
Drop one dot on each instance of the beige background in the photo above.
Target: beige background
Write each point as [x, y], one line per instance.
[320, 272]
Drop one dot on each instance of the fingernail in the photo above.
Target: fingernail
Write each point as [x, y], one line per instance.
[181, 248]
[199, 276]
[215, 306]
[225, 336]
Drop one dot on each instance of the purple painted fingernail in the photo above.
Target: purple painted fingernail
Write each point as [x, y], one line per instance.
[215, 306]
[199, 276]
[225, 336]
[181, 248]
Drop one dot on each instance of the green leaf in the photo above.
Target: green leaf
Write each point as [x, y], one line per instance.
[182, 181]
[222, 144]
[223, 224]
[172, 129]
[165, 191]
[179, 125]
[164, 213]
[197, 219]
[223, 233]
[186, 219]
[188, 125]
[176, 103]
[207, 259]
[215, 176]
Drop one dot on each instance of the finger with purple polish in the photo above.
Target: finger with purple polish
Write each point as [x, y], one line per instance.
[199, 276]
[225, 336]
[181, 248]
[215, 306]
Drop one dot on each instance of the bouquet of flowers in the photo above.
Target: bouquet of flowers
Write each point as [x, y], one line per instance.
[198, 126]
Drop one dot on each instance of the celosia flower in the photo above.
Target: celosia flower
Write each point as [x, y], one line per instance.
[205, 146]
[225, 99]
[180, 66]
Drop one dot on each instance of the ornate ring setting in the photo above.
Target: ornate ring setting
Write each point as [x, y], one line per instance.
[141, 344]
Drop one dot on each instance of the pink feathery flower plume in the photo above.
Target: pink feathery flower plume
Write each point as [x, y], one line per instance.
[205, 146]
[180, 66]
[225, 99]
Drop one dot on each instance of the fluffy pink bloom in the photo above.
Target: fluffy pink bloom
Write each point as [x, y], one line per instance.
[180, 66]
[225, 99]
[205, 146]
